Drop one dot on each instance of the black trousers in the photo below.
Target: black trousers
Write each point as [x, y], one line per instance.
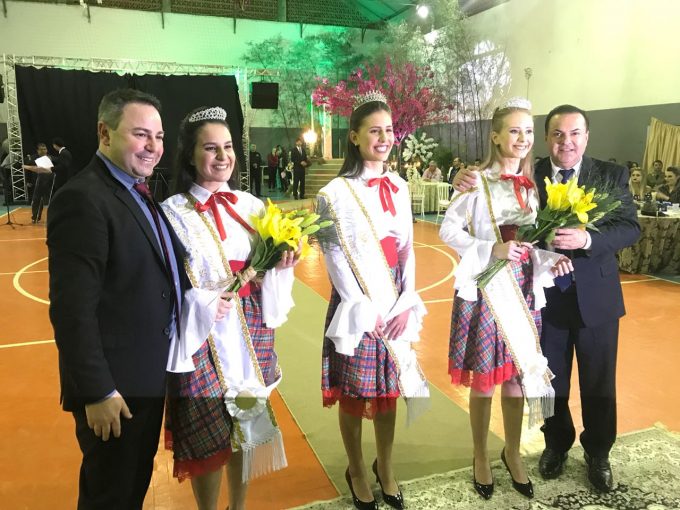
[298, 183]
[271, 174]
[41, 195]
[256, 181]
[115, 474]
[564, 335]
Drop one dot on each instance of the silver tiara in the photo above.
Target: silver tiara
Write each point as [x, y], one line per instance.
[214, 113]
[369, 97]
[516, 102]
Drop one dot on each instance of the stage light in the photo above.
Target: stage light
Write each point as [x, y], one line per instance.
[309, 137]
[423, 10]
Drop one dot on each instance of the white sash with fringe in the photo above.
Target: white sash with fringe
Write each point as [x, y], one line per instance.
[363, 251]
[518, 330]
[255, 431]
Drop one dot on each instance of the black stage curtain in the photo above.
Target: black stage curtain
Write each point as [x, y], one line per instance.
[60, 103]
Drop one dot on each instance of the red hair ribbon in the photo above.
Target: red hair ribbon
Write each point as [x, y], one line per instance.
[385, 188]
[225, 198]
[519, 182]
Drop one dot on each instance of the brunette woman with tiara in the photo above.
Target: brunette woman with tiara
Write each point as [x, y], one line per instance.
[222, 367]
[495, 332]
[374, 313]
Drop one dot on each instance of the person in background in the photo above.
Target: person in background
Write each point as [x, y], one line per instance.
[655, 175]
[298, 156]
[432, 173]
[670, 191]
[453, 169]
[637, 188]
[255, 171]
[44, 181]
[63, 164]
[272, 167]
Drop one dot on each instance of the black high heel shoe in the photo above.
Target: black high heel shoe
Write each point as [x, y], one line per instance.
[360, 505]
[483, 489]
[396, 501]
[525, 489]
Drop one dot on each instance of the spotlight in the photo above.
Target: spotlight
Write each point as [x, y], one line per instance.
[423, 10]
[309, 137]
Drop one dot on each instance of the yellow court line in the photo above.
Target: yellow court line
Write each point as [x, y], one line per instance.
[20, 289]
[26, 344]
[449, 276]
[25, 239]
[443, 300]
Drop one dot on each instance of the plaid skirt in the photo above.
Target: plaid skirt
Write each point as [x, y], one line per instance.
[477, 356]
[197, 425]
[365, 384]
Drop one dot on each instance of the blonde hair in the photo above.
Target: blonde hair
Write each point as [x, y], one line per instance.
[493, 155]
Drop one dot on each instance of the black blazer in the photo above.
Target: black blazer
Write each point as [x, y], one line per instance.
[63, 167]
[598, 287]
[110, 296]
[298, 158]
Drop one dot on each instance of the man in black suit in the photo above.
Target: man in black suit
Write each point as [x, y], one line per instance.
[255, 171]
[114, 269]
[583, 310]
[63, 163]
[42, 184]
[298, 156]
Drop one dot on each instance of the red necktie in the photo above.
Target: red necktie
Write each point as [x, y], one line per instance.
[385, 189]
[519, 182]
[145, 192]
[225, 198]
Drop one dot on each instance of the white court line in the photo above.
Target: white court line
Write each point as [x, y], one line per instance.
[26, 239]
[26, 344]
[25, 272]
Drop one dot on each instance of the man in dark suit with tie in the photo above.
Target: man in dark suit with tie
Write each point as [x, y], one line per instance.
[114, 269]
[63, 164]
[298, 156]
[583, 311]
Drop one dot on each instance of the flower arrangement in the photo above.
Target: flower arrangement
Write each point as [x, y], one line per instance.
[278, 231]
[568, 206]
[419, 148]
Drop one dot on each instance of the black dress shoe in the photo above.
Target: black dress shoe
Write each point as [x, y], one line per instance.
[483, 489]
[395, 501]
[525, 489]
[360, 505]
[599, 472]
[551, 463]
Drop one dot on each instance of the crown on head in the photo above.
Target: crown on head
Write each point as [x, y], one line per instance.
[516, 102]
[369, 97]
[214, 113]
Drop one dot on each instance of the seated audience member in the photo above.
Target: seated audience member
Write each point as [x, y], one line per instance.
[432, 173]
[670, 191]
[453, 169]
[655, 176]
[637, 188]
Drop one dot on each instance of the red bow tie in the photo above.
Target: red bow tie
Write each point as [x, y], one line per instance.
[519, 182]
[385, 189]
[225, 198]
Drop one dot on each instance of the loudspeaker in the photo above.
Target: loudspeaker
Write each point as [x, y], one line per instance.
[264, 95]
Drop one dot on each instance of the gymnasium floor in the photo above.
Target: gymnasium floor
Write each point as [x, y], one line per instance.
[39, 457]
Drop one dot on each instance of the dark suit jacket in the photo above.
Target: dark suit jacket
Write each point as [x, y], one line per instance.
[63, 167]
[110, 296]
[298, 158]
[596, 271]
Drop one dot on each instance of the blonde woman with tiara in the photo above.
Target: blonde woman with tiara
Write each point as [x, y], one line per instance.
[495, 332]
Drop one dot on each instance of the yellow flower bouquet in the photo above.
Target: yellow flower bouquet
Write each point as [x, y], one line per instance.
[278, 231]
[568, 206]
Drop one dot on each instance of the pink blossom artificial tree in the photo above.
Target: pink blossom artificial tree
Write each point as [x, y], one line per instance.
[412, 101]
